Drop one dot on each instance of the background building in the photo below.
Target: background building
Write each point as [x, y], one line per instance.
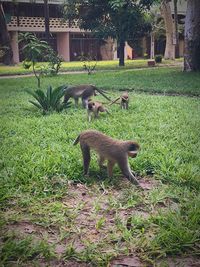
[68, 40]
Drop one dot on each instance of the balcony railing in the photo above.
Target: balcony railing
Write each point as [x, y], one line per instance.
[37, 24]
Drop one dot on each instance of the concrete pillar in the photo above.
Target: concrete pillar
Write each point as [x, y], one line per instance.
[63, 45]
[15, 46]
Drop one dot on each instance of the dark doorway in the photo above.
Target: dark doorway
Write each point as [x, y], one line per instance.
[84, 45]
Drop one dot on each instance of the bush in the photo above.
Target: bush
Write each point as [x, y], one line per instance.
[158, 58]
[51, 101]
[26, 64]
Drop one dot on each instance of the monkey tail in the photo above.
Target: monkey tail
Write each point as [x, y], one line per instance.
[102, 93]
[114, 101]
[76, 140]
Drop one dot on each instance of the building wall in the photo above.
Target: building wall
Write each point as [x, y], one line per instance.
[63, 45]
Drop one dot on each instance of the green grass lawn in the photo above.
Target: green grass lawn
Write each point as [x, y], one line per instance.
[50, 212]
[78, 66]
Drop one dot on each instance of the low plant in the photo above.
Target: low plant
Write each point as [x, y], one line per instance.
[88, 63]
[51, 101]
[26, 64]
[158, 58]
[23, 250]
[54, 62]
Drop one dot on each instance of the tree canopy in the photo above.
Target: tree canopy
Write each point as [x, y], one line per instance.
[123, 20]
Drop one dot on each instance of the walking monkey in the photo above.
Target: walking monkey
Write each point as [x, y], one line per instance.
[84, 91]
[124, 100]
[95, 107]
[115, 151]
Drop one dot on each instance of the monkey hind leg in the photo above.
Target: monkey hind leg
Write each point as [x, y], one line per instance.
[76, 102]
[84, 103]
[101, 161]
[86, 158]
[110, 168]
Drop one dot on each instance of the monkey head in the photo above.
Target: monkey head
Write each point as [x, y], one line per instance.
[91, 105]
[133, 149]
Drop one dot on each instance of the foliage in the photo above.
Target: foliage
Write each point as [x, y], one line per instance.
[121, 20]
[54, 61]
[22, 250]
[36, 50]
[88, 63]
[26, 64]
[51, 101]
[158, 58]
[78, 66]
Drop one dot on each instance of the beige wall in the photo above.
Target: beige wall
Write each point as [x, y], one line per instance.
[63, 45]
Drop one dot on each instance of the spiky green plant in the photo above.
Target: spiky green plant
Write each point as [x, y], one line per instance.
[51, 101]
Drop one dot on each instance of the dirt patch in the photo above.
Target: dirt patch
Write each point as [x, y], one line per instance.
[95, 214]
[180, 262]
[127, 261]
[148, 183]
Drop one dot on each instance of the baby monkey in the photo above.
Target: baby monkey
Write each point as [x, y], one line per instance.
[95, 107]
[112, 150]
[124, 99]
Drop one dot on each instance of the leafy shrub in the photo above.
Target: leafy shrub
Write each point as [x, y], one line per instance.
[36, 50]
[89, 64]
[51, 101]
[146, 56]
[54, 61]
[26, 64]
[158, 58]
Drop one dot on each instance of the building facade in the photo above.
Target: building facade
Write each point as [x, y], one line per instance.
[68, 40]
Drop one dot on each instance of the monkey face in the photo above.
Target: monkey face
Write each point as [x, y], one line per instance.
[133, 149]
[91, 106]
[132, 154]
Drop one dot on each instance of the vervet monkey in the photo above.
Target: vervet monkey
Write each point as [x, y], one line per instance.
[85, 91]
[124, 99]
[95, 107]
[115, 151]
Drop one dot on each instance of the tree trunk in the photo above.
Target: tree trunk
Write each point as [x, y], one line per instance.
[121, 53]
[169, 27]
[46, 18]
[176, 28]
[192, 36]
[152, 55]
[5, 42]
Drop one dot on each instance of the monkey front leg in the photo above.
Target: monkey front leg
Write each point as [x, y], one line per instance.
[89, 115]
[127, 172]
[96, 113]
[101, 161]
